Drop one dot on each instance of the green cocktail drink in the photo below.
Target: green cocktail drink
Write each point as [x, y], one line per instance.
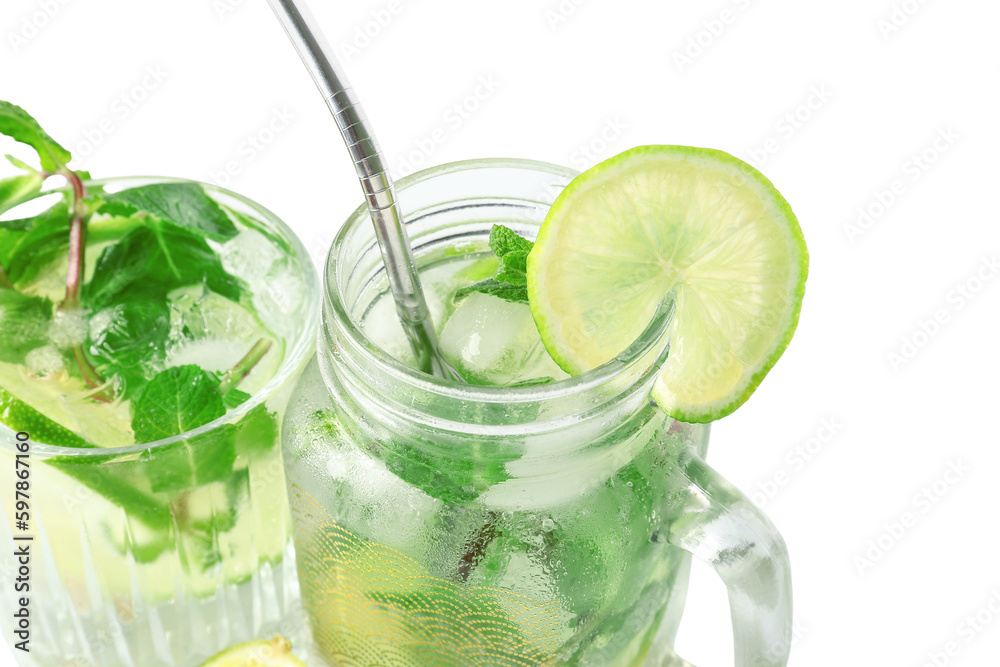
[141, 402]
[527, 517]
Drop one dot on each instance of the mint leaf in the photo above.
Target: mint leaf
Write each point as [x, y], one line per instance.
[234, 398]
[17, 124]
[130, 336]
[503, 290]
[184, 204]
[510, 281]
[504, 240]
[119, 481]
[20, 164]
[175, 401]
[15, 189]
[513, 268]
[257, 432]
[155, 259]
[24, 325]
[27, 245]
[192, 462]
[119, 267]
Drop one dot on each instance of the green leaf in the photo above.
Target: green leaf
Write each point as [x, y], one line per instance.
[184, 204]
[16, 123]
[175, 401]
[24, 324]
[157, 258]
[20, 225]
[257, 432]
[234, 398]
[513, 268]
[503, 290]
[38, 240]
[128, 336]
[119, 267]
[118, 481]
[504, 240]
[20, 164]
[510, 281]
[14, 190]
[192, 462]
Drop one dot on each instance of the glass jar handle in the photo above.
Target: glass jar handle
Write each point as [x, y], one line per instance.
[721, 527]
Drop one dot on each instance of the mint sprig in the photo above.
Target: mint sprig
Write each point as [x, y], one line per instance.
[510, 281]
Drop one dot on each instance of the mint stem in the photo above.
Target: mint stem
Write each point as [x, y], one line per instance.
[91, 376]
[477, 545]
[234, 377]
[74, 278]
[77, 239]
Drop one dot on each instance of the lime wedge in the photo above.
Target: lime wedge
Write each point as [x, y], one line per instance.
[622, 234]
[274, 653]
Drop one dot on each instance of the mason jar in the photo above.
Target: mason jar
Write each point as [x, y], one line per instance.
[441, 523]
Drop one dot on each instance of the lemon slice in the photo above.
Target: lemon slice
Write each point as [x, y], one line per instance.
[622, 234]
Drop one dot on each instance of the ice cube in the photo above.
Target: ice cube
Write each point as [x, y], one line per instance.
[495, 342]
[68, 328]
[249, 256]
[210, 331]
[279, 297]
[44, 361]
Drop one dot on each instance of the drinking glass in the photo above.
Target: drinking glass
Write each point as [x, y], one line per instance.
[164, 553]
[439, 523]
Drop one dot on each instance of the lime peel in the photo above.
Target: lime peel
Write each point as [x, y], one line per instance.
[276, 652]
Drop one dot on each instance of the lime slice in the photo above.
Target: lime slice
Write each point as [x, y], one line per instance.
[274, 653]
[622, 234]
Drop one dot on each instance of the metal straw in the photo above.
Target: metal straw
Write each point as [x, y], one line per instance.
[312, 47]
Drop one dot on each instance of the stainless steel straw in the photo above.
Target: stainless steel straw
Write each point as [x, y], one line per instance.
[312, 47]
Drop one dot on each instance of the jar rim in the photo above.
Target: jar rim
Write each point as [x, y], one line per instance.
[653, 334]
[297, 350]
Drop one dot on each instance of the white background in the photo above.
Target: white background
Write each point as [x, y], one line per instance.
[574, 83]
